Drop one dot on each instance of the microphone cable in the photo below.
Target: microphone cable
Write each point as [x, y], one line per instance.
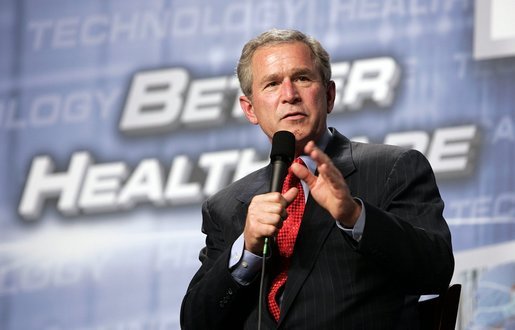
[262, 283]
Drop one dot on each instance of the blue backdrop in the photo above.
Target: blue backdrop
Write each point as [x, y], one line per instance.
[111, 112]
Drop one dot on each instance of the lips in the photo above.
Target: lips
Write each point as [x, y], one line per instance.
[294, 116]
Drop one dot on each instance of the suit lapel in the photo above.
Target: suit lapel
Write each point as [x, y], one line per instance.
[340, 151]
[316, 226]
[258, 185]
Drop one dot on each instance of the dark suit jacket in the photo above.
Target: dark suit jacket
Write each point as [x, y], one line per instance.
[334, 282]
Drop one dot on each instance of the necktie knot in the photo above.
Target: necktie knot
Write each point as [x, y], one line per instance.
[291, 180]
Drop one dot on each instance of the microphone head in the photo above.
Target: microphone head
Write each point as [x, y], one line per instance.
[283, 147]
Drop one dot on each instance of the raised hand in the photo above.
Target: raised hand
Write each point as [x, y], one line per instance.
[328, 188]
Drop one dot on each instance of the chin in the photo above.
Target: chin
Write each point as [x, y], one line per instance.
[302, 134]
[299, 134]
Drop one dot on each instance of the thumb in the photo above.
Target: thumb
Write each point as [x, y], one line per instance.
[290, 195]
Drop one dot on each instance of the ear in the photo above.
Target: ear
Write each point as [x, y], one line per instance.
[248, 109]
[331, 95]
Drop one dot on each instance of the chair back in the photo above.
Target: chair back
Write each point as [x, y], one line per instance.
[440, 313]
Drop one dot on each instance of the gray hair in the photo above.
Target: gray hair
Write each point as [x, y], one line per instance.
[274, 37]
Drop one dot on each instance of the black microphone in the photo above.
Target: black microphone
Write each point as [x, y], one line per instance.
[281, 157]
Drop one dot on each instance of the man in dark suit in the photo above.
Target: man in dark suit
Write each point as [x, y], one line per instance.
[372, 237]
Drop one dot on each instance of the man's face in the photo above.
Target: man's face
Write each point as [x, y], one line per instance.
[288, 93]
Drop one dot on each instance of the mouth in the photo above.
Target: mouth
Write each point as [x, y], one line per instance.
[294, 116]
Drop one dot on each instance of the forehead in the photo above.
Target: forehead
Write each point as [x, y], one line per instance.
[282, 57]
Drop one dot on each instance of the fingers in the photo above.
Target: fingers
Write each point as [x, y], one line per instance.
[325, 166]
[267, 209]
[303, 173]
[265, 217]
[329, 188]
[290, 196]
[275, 202]
[317, 155]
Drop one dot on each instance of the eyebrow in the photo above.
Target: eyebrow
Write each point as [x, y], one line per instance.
[295, 73]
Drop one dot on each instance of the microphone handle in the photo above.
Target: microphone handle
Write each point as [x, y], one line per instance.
[265, 247]
[279, 171]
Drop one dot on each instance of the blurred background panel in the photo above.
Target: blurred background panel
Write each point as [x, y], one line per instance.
[112, 114]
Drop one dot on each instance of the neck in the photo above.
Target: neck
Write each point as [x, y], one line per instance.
[321, 141]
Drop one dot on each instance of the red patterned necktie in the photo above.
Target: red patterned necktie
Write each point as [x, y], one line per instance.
[286, 238]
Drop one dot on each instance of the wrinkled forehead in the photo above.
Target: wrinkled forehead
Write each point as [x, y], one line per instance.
[291, 56]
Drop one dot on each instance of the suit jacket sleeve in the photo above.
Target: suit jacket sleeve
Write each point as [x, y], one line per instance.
[214, 300]
[405, 231]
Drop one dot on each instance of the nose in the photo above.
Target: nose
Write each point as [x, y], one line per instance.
[289, 93]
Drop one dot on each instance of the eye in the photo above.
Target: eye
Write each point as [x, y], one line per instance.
[271, 84]
[303, 78]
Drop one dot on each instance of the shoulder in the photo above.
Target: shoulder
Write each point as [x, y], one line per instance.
[388, 157]
[362, 150]
[361, 153]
